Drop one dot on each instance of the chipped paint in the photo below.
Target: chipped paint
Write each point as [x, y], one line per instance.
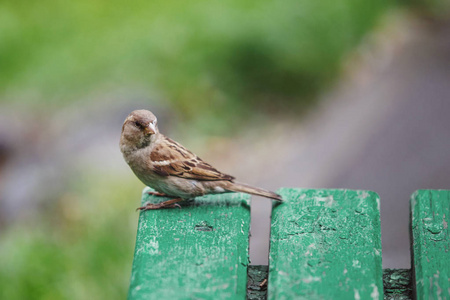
[375, 294]
[430, 210]
[199, 251]
[357, 296]
[335, 240]
[397, 284]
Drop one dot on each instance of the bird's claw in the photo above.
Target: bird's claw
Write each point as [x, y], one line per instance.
[151, 206]
[157, 194]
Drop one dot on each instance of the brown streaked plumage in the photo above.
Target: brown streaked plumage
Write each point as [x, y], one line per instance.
[170, 168]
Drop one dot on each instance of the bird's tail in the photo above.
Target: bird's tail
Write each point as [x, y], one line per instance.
[244, 188]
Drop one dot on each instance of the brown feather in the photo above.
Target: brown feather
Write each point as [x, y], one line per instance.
[245, 188]
[170, 158]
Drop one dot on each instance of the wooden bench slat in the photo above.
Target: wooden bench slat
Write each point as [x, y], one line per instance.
[397, 284]
[326, 244]
[197, 252]
[430, 216]
[257, 282]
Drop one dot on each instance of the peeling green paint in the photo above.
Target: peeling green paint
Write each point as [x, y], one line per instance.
[397, 284]
[326, 244]
[197, 252]
[256, 284]
[430, 215]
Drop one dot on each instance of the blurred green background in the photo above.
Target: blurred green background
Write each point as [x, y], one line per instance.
[71, 72]
[210, 61]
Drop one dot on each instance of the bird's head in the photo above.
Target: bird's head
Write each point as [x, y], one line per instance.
[139, 129]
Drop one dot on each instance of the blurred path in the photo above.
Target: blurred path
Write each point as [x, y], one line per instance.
[388, 132]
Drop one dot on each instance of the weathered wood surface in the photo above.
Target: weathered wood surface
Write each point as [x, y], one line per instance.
[397, 284]
[257, 282]
[326, 244]
[430, 215]
[197, 252]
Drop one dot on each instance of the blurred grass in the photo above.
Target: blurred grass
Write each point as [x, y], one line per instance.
[216, 59]
[81, 249]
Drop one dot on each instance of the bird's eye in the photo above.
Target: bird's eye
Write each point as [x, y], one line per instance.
[138, 125]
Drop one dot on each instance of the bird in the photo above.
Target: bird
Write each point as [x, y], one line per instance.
[169, 168]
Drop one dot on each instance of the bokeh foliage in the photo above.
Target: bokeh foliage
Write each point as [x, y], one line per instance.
[81, 249]
[215, 58]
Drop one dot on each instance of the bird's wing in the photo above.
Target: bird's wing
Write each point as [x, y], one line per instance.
[169, 158]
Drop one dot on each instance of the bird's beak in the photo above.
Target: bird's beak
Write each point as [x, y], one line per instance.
[150, 129]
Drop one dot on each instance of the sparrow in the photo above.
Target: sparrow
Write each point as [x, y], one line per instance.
[171, 169]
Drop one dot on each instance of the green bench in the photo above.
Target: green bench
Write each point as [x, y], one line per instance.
[324, 244]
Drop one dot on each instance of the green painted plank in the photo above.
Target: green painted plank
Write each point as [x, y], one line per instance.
[430, 215]
[257, 282]
[197, 252]
[397, 284]
[326, 244]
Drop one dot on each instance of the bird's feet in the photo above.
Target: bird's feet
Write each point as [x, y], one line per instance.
[157, 194]
[166, 204]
